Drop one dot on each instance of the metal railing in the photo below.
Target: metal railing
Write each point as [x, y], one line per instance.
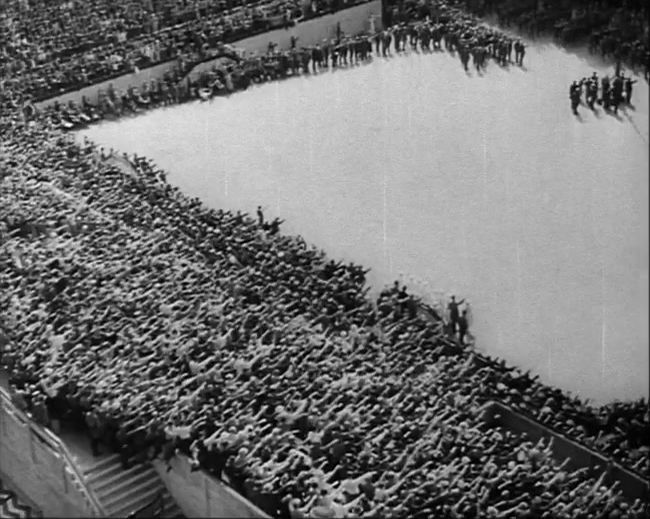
[55, 444]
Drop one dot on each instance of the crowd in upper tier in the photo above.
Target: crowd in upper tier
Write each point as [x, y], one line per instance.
[56, 46]
[459, 33]
[167, 327]
[51, 47]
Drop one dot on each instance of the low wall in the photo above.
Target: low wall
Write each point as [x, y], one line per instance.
[632, 485]
[31, 459]
[200, 495]
[352, 21]
[120, 83]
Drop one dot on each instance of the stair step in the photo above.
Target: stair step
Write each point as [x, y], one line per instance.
[104, 474]
[171, 513]
[104, 487]
[122, 508]
[132, 492]
[169, 507]
[101, 464]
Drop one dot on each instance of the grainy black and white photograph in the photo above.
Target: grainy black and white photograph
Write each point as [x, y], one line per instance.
[295, 259]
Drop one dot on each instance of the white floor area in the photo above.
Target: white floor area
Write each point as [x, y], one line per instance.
[484, 185]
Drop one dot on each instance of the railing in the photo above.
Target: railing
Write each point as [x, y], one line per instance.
[633, 485]
[55, 444]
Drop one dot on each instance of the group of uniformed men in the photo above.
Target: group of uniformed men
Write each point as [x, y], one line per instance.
[463, 36]
[608, 92]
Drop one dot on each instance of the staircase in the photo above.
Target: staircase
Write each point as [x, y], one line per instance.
[122, 492]
[11, 507]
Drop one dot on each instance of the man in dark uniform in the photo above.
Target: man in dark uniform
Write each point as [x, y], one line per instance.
[453, 313]
[260, 216]
[386, 43]
[628, 81]
[326, 53]
[617, 92]
[604, 93]
[317, 58]
[516, 45]
[95, 429]
[592, 92]
[462, 327]
[464, 56]
[343, 53]
[350, 50]
[574, 95]
[378, 39]
[335, 55]
[305, 56]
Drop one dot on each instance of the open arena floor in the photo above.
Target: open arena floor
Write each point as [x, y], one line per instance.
[481, 184]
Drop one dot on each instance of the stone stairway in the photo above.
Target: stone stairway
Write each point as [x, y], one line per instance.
[122, 492]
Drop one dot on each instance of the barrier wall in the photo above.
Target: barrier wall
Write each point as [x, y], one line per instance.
[36, 463]
[119, 83]
[632, 485]
[200, 495]
[352, 21]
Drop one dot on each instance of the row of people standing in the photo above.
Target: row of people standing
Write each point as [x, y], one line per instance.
[611, 93]
[479, 42]
[462, 35]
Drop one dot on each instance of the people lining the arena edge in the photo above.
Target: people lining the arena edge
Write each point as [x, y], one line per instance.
[424, 31]
[47, 51]
[164, 327]
[460, 33]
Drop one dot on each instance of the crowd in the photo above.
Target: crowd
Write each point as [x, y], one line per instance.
[233, 70]
[48, 48]
[610, 28]
[168, 327]
[611, 93]
[165, 327]
[614, 29]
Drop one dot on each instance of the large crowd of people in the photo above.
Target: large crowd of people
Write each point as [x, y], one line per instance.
[233, 70]
[169, 327]
[166, 327]
[610, 28]
[49, 48]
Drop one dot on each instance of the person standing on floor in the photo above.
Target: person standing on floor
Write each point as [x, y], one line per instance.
[628, 82]
[463, 326]
[454, 314]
